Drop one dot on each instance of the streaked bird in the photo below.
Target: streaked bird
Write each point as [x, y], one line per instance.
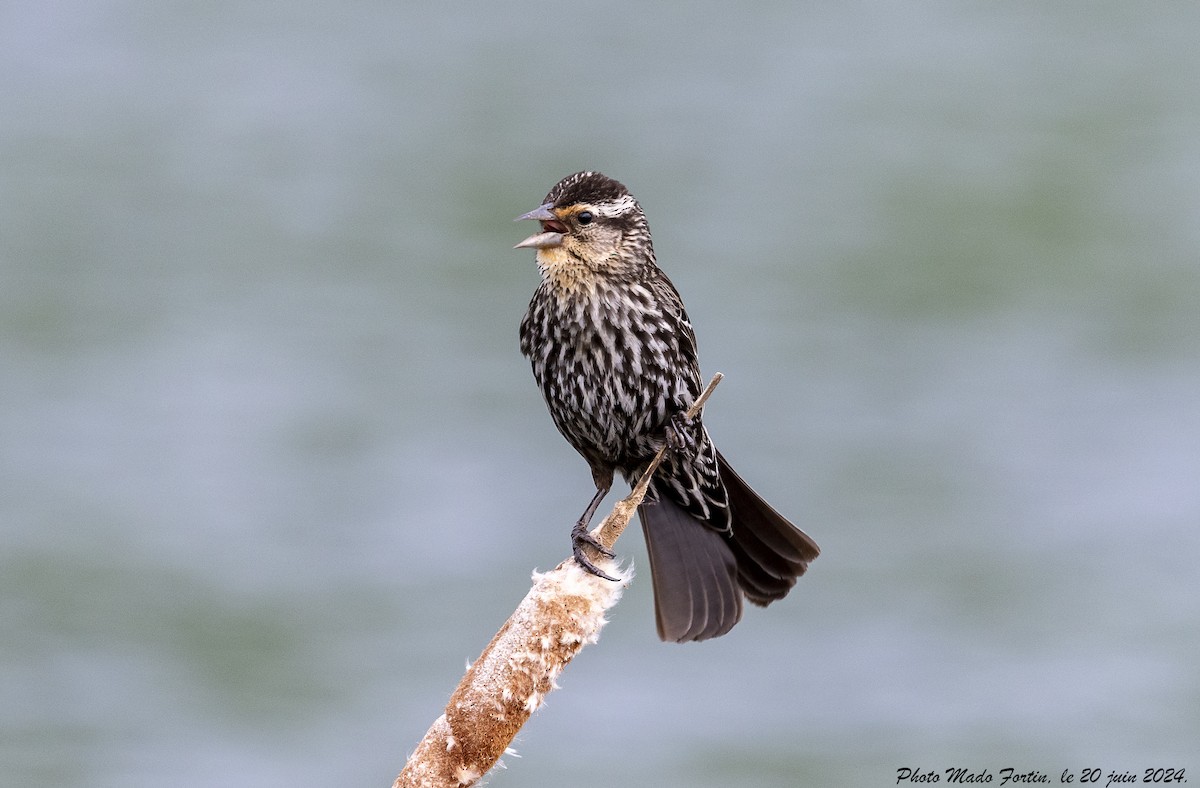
[614, 354]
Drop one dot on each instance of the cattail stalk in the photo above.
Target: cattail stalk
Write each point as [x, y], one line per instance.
[563, 612]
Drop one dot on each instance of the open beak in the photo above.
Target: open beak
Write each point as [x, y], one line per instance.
[552, 232]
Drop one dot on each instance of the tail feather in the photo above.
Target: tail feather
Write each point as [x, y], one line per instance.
[694, 573]
[771, 553]
[700, 573]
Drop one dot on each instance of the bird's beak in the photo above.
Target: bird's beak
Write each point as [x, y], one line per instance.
[552, 229]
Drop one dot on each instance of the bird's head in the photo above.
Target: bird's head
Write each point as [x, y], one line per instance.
[588, 220]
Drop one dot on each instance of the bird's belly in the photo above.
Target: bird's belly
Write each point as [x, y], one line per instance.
[606, 408]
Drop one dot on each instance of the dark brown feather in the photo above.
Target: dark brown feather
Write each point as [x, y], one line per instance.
[771, 552]
[694, 573]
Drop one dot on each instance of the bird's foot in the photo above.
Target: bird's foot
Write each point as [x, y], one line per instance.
[684, 435]
[579, 538]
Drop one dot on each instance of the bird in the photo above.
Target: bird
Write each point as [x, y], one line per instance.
[614, 353]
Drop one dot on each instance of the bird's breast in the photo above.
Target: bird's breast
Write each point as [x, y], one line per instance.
[607, 367]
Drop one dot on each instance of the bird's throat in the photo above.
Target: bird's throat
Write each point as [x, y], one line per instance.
[564, 272]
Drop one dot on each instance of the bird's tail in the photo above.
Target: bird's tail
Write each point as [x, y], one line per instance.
[771, 553]
[694, 572]
[700, 573]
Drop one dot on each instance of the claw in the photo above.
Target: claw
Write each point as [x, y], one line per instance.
[581, 537]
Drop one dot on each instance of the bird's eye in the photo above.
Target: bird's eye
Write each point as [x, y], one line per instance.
[585, 217]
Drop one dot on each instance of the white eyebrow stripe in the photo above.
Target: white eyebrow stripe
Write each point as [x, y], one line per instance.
[621, 207]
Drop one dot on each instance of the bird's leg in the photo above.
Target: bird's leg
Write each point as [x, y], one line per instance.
[684, 435]
[580, 535]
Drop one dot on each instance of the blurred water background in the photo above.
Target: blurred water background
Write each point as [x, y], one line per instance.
[272, 467]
